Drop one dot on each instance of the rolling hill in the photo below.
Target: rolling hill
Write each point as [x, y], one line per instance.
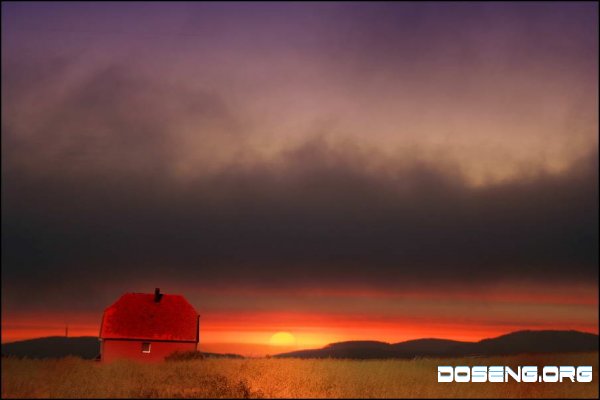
[86, 347]
[512, 343]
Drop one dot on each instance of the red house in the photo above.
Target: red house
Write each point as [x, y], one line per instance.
[148, 327]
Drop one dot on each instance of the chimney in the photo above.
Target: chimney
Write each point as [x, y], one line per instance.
[157, 295]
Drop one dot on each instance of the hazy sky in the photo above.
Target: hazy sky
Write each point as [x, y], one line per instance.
[336, 170]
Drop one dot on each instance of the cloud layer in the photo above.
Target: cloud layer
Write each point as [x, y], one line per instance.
[297, 169]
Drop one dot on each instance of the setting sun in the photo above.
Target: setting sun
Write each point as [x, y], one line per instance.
[282, 339]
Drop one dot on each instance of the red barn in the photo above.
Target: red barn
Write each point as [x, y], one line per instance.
[149, 327]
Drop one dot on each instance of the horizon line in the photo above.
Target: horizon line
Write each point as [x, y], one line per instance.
[342, 341]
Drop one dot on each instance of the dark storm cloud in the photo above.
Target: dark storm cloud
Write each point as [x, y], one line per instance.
[79, 205]
[121, 175]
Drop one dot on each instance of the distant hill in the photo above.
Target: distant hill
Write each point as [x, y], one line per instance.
[54, 347]
[540, 342]
[512, 343]
[87, 347]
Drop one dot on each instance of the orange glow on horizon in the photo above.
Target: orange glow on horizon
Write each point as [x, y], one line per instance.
[249, 319]
[252, 333]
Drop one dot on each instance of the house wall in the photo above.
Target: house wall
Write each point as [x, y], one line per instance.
[113, 349]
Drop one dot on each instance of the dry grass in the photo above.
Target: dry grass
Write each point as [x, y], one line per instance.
[231, 378]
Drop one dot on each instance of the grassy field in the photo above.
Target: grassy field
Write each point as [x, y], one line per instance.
[254, 378]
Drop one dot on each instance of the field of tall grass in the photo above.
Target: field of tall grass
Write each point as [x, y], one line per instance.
[269, 377]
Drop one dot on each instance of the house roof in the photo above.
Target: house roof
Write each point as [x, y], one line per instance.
[138, 316]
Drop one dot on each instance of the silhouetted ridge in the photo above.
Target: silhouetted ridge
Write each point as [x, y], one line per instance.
[539, 342]
[87, 347]
[512, 343]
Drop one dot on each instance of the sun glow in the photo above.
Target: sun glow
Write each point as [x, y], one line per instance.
[282, 339]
